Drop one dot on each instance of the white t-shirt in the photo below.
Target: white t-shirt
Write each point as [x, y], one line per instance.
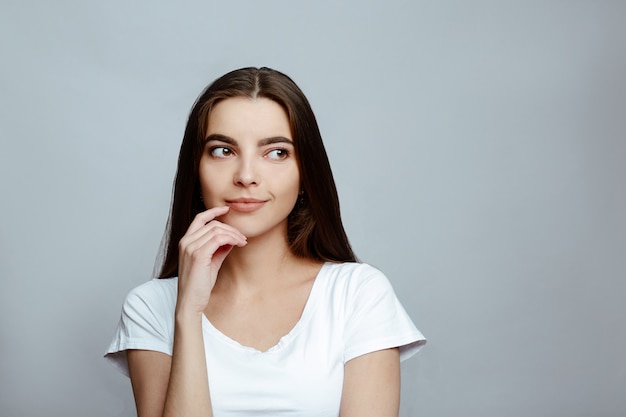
[351, 310]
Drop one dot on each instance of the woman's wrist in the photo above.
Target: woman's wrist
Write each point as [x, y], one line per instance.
[184, 316]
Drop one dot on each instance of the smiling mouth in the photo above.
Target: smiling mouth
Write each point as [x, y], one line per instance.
[245, 205]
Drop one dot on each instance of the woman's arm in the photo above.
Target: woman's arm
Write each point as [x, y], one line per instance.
[188, 390]
[371, 385]
[179, 386]
[149, 375]
[176, 385]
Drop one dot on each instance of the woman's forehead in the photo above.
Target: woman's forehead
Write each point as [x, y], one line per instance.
[243, 117]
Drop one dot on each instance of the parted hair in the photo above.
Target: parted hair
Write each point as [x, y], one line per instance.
[314, 230]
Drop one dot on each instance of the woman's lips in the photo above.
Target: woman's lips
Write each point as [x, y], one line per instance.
[245, 205]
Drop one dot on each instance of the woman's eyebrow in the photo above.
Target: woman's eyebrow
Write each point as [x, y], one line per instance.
[262, 142]
[275, 139]
[220, 138]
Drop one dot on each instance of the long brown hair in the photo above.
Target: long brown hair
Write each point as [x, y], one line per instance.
[314, 227]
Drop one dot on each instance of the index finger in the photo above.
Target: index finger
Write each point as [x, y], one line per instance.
[206, 216]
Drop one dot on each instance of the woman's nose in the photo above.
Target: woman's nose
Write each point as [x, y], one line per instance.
[246, 173]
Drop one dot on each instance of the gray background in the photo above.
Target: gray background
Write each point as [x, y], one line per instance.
[478, 148]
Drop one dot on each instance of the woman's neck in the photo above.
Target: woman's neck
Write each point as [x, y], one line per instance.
[264, 263]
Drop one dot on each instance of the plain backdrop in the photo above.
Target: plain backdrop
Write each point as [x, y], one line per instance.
[479, 150]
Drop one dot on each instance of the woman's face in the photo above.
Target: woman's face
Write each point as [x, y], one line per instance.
[249, 164]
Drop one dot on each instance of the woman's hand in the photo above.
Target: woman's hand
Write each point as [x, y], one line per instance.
[202, 250]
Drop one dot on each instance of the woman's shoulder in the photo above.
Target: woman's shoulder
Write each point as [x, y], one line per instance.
[352, 271]
[153, 294]
[354, 276]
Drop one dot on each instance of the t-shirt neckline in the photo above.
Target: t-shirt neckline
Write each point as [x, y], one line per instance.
[307, 312]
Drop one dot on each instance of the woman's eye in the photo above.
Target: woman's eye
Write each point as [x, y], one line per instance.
[221, 152]
[278, 154]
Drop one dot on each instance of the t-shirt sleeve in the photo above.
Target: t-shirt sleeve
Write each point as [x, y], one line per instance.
[144, 324]
[376, 320]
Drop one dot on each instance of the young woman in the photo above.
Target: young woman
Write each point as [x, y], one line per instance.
[261, 307]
